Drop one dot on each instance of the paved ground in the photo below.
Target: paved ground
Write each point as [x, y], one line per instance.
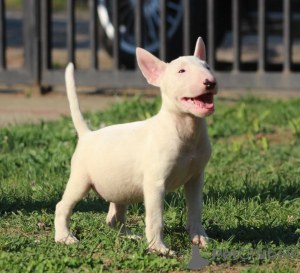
[17, 108]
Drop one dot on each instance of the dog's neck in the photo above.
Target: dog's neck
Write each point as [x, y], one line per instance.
[190, 129]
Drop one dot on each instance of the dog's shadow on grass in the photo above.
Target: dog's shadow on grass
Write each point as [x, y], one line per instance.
[255, 235]
[85, 205]
[278, 189]
[242, 234]
[270, 230]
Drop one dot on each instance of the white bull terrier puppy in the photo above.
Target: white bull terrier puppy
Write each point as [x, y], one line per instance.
[142, 161]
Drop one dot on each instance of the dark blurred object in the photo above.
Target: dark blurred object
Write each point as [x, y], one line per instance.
[198, 21]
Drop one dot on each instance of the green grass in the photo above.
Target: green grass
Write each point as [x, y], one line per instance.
[251, 194]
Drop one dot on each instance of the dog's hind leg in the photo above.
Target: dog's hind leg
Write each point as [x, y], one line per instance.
[116, 218]
[77, 188]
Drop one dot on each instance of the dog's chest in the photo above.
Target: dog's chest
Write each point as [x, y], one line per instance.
[186, 166]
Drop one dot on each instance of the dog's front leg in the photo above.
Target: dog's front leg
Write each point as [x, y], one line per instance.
[154, 193]
[193, 193]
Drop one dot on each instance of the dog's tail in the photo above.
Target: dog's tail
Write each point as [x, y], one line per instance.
[79, 123]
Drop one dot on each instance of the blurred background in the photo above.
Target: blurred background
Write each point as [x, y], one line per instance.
[251, 45]
[248, 23]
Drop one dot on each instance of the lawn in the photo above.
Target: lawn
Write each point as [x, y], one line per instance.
[251, 195]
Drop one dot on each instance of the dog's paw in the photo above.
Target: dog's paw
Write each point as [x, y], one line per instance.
[133, 236]
[198, 237]
[126, 232]
[199, 240]
[70, 239]
[162, 249]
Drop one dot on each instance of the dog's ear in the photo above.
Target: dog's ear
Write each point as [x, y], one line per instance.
[200, 50]
[151, 67]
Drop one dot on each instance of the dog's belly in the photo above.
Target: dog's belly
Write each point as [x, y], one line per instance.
[120, 194]
[115, 175]
[120, 184]
[123, 183]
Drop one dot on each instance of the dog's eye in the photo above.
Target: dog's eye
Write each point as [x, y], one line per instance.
[181, 71]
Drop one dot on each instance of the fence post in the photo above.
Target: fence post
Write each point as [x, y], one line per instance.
[163, 31]
[138, 27]
[93, 33]
[262, 37]
[31, 36]
[211, 33]
[2, 36]
[187, 28]
[45, 30]
[71, 31]
[236, 35]
[116, 42]
[287, 36]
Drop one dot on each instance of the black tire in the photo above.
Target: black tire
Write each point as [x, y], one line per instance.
[150, 37]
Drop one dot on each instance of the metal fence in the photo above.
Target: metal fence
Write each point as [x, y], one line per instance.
[259, 72]
[29, 73]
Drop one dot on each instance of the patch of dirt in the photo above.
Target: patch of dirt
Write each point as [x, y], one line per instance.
[275, 138]
[225, 268]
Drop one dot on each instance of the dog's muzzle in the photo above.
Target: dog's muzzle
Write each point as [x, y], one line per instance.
[209, 85]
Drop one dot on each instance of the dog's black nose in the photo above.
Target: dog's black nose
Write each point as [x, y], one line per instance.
[209, 85]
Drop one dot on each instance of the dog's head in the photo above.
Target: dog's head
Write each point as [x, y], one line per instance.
[187, 84]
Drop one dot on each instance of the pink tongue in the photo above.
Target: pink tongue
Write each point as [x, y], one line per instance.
[207, 100]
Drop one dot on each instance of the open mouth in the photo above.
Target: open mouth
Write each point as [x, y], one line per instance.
[204, 102]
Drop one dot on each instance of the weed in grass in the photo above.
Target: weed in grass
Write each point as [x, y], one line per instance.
[295, 125]
[251, 194]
